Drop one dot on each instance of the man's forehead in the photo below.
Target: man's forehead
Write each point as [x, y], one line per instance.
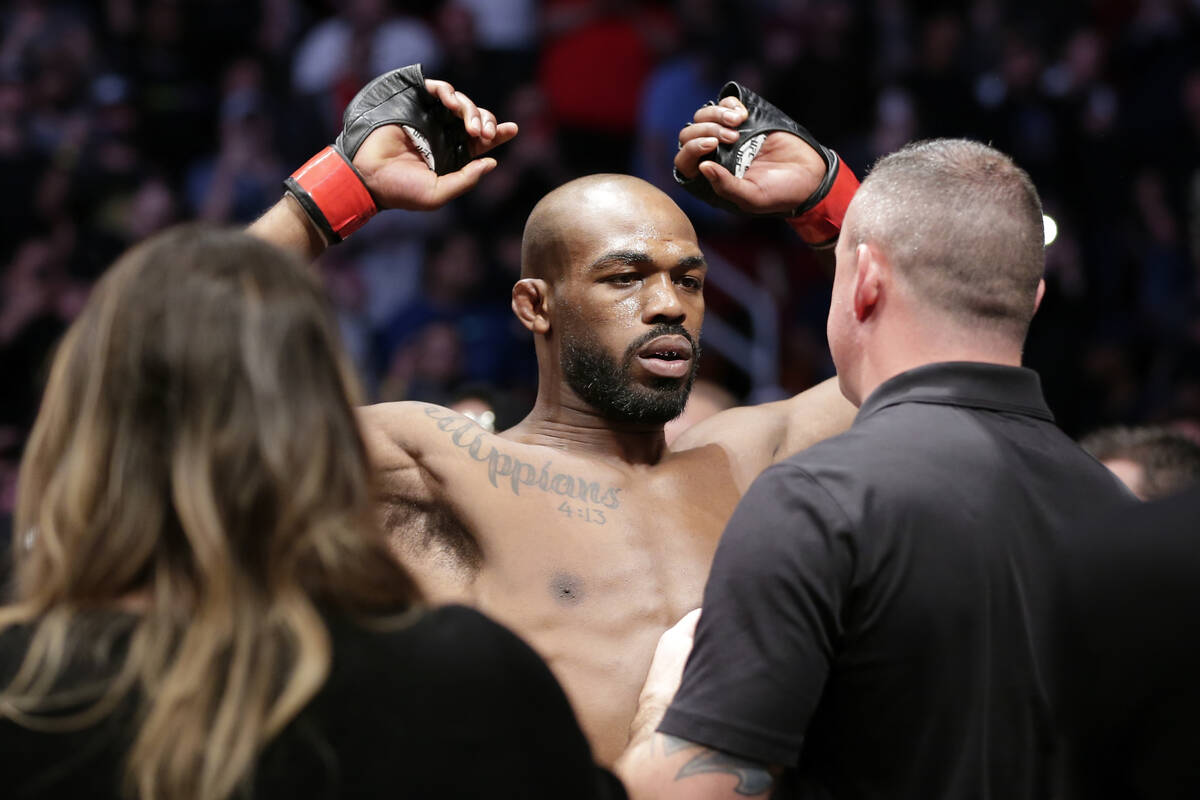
[587, 217]
[635, 222]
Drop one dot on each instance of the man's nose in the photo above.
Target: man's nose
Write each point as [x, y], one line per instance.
[662, 303]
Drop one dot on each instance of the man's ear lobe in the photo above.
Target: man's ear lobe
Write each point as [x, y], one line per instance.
[1041, 292]
[531, 304]
[869, 269]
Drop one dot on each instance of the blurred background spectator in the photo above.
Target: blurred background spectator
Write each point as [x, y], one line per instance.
[118, 117]
[1153, 462]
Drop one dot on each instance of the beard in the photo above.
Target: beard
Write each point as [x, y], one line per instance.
[608, 385]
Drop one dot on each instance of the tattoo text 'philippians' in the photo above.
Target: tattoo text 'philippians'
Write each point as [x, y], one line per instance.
[515, 473]
[752, 778]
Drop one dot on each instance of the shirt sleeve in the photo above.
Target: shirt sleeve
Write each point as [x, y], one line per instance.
[771, 622]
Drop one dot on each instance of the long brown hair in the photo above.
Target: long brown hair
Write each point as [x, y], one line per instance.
[196, 458]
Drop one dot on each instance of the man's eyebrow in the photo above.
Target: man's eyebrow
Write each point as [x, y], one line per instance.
[633, 258]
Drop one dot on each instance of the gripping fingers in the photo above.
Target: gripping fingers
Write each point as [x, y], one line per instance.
[457, 102]
[730, 112]
[503, 132]
[487, 130]
[690, 153]
[707, 129]
[453, 184]
[443, 91]
[737, 190]
[469, 113]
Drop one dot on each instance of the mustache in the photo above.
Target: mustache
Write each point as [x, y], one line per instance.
[662, 329]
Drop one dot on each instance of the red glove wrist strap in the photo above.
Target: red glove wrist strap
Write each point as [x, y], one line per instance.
[333, 194]
[820, 225]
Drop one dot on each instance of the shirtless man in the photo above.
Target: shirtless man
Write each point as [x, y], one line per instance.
[579, 528]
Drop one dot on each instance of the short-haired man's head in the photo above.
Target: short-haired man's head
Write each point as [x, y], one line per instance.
[1152, 461]
[962, 224]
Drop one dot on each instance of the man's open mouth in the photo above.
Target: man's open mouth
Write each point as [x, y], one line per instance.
[666, 356]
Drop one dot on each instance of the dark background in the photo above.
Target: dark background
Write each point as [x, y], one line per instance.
[118, 117]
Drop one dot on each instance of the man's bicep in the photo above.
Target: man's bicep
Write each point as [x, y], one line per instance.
[403, 487]
[772, 619]
[812, 416]
[387, 431]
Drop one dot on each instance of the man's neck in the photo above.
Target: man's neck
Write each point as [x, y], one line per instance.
[894, 353]
[580, 429]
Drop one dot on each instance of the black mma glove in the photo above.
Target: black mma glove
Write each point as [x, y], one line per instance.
[818, 220]
[330, 189]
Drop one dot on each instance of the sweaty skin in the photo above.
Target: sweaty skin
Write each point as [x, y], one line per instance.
[586, 536]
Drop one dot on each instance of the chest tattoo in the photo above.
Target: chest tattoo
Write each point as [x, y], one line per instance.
[509, 472]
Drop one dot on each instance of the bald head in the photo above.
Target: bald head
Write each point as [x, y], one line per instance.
[586, 209]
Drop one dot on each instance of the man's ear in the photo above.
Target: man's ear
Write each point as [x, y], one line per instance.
[870, 274]
[1041, 292]
[531, 303]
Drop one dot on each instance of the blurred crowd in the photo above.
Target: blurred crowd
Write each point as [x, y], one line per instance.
[119, 117]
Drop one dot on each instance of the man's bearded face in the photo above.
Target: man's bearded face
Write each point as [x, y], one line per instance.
[610, 387]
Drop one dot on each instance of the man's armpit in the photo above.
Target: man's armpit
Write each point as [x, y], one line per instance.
[753, 778]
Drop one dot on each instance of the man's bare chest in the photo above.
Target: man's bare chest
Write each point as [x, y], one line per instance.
[535, 525]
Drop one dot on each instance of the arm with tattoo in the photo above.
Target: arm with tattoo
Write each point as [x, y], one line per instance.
[667, 767]
[657, 765]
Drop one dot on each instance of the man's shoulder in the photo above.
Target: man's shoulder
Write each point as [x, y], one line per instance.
[892, 450]
[397, 417]
[402, 431]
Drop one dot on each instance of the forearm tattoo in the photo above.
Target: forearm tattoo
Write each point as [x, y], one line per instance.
[752, 778]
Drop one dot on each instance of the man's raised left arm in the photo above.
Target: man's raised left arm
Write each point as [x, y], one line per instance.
[744, 155]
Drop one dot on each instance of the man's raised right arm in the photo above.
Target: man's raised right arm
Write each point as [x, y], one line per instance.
[376, 164]
[407, 142]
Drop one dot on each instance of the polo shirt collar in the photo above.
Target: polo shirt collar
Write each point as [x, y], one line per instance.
[963, 383]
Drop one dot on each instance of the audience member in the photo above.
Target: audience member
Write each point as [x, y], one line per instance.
[1152, 461]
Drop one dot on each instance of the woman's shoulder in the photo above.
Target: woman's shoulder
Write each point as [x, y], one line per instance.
[443, 644]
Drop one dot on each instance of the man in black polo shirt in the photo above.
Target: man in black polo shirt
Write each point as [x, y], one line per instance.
[876, 622]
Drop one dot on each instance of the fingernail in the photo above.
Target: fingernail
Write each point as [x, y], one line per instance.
[708, 141]
[729, 136]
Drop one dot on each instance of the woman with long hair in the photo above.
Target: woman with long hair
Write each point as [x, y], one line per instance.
[204, 607]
